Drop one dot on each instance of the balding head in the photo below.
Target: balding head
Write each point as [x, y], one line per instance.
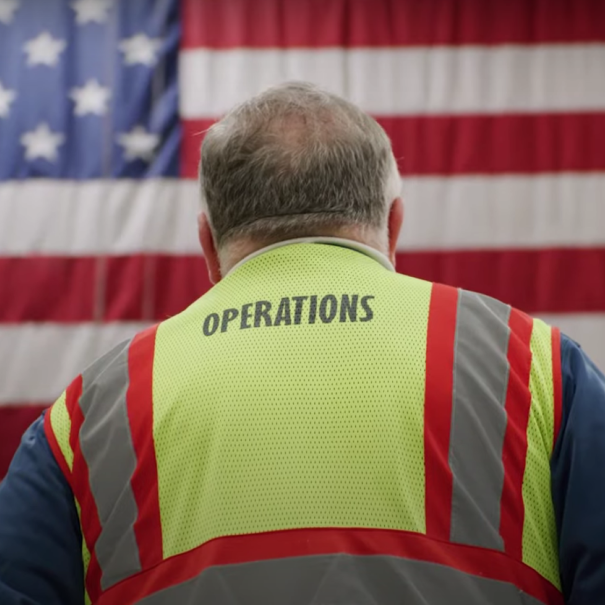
[296, 161]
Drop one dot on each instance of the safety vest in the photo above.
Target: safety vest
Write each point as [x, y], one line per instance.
[318, 429]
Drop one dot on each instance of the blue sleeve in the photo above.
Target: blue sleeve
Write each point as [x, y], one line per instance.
[40, 539]
[578, 478]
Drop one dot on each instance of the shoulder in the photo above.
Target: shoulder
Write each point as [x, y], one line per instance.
[583, 381]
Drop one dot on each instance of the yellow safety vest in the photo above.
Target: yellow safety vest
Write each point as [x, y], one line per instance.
[318, 429]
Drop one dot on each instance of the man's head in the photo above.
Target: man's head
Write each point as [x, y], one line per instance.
[296, 161]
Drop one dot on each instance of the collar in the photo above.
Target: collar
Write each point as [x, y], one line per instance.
[334, 241]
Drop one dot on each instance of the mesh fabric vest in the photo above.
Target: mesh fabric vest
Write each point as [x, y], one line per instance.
[319, 429]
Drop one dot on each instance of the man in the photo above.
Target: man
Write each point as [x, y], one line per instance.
[316, 428]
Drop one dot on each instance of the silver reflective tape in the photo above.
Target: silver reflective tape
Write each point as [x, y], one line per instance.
[339, 579]
[478, 420]
[107, 447]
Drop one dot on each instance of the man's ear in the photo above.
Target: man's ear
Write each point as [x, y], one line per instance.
[395, 222]
[209, 248]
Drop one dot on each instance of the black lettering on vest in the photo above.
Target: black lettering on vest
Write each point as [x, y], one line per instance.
[211, 324]
[283, 313]
[228, 315]
[348, 307]
[246, 315]
[366, 307]
[300, 301]
[313, 309]
[262, 309]
[325, 315]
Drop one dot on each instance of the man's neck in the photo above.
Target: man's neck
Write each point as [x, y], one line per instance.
[236, 251]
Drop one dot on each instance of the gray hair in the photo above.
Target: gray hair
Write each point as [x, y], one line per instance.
[294, 161]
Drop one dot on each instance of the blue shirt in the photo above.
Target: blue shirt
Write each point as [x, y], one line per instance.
[40, 539]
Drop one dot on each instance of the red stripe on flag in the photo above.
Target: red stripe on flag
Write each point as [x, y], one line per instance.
[456, 145]
[440, 341]
[193, 132]
[233, 550]
[139, 401]
[179, 282]
[47, 288]
[557, 382]
[514, 450]
[89, 516]
[14, 421]
[348, 23]
[537, 281]
[136, 288]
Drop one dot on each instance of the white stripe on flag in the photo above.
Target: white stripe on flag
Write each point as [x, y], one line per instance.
[563, 210]
[393, 81]
[59, 217]
[106, 217]
[40, 360]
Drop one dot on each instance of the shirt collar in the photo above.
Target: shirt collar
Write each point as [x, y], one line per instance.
[334, 241]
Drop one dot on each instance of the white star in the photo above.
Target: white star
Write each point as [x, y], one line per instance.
[7, 10]
[90, 98]
[91, 10]
[44, 50]
[7, 96]
[42, 143]
[138, 143]
[140, 49]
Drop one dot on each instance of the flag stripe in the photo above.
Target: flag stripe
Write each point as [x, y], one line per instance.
[412, 81]
[98, 216]
[154, 287]
[454, 145]
[274, 23]
[538, 281]
[39, 360]
[102, 217]
[14, 420]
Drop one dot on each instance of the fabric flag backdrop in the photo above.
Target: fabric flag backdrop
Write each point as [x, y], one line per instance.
[496, 111]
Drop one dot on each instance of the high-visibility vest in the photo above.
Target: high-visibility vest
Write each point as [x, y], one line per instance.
[318, 429]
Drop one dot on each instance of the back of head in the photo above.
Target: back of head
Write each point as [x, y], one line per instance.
[296, 161]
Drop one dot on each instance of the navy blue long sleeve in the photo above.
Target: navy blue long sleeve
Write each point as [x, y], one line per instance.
[578, 479]
[40, 539]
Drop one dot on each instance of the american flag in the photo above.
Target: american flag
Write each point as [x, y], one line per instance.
[496, 111]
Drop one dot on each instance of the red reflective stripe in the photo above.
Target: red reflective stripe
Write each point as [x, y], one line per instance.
[517, 406]
[557, 382]
[139, 401]
[55, 448]
[482, 562]
[441, 335]
[89, 517]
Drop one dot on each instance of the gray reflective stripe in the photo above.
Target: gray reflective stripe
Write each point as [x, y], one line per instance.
[478, 420]
[339, 579]
[107, 448]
